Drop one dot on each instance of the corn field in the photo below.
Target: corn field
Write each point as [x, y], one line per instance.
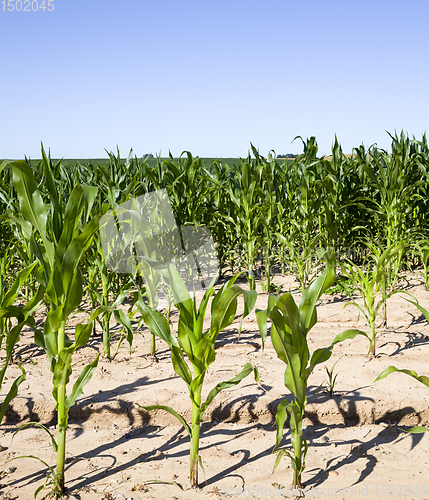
[363, 215]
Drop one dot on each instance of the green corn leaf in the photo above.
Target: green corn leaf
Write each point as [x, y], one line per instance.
[281, 416]
[195, 388]
[125, 321]
[319, 356]
[53, 195]
[293, 379]
[75, 250]
[424, 311]
[82, 334]
[25, 225]
[157, 324]
[249, 297]
[74, 293]
[33, 304]
[170, 410]
[90, 195]
[179, 364]
[411, 373]
[62, 371]
[187, 339]
[262, 316]
[41, 426]
[281, 344]
[31, 202]
[4, 164]
[223, 312]
[50, 329]
[13, 391]
[312, 294]
[82, 380]
[74, 207]
[348, 334]
[247, 370]
[418, 429]
[12, 294]
[279, 454]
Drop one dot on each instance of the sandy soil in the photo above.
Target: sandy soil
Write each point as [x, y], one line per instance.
[117, 450]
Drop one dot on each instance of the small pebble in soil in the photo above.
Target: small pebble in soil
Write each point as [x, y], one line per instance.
[2, 448]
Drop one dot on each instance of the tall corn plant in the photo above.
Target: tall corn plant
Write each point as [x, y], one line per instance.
[289, 329]
[395, 183]
[198, 346]
[108, 295]
[244, 192]
[218, 217]
[58, 239]
[271, 180]
[302, 235]
[343, 205]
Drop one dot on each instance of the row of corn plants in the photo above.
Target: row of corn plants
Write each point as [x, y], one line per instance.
[268, 213]
[262, 212]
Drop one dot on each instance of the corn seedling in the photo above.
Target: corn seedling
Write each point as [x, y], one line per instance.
[198, 346]
[289, 329]
[330, 383]
[370, 282]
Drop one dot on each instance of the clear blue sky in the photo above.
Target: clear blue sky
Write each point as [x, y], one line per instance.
[211, 76]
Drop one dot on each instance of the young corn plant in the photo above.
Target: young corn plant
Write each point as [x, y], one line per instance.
[332, 379]
[370, 282]
[198, 346]
[58, 241]
[289, 330]
[108, 296]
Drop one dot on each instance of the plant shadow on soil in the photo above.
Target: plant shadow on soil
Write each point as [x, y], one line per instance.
[228, 413]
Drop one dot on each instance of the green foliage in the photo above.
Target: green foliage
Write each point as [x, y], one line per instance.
[10, 334]
[58, 240]
[371, 281]
[289, 329]
[193, 351]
